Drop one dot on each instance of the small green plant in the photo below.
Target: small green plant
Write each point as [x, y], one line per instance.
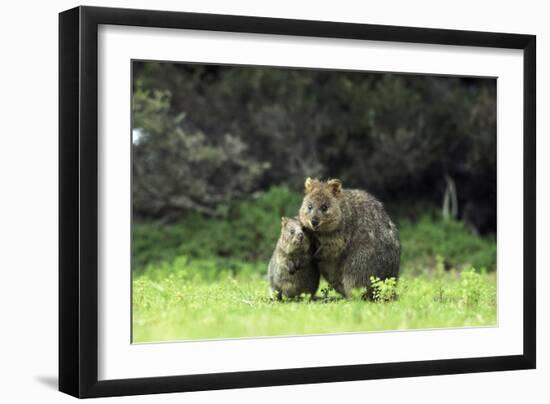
[439, 265]
[325, 291]
[383, 290]
[473, 287]
[439, 291]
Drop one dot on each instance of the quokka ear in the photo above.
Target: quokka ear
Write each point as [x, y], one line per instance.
[335, 186]
[284, 221]
[310, 184]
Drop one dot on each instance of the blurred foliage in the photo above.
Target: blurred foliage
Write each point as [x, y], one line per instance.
[207, 135]
[249, 231]
[177, 168]
[431, 238]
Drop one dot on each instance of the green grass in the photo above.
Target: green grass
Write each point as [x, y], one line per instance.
[190, 300]
[205, 278]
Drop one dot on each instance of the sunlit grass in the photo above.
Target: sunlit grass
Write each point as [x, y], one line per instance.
[185, 300]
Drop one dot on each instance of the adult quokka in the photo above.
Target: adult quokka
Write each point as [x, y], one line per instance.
[291, 270]
[355, 238]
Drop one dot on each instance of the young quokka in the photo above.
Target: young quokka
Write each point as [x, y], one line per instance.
[291, 270]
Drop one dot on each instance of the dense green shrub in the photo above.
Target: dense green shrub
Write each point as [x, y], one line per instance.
[249, 230]
[430, 237]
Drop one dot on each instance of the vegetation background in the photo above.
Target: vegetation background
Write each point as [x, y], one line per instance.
[220, 153]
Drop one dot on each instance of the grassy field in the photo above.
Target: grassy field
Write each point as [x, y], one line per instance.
[184, 306]
[206, 279]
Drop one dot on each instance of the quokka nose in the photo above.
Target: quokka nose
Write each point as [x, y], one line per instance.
[314, 222]
[301, 236]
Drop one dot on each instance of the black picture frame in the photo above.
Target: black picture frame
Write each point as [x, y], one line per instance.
[78, 201]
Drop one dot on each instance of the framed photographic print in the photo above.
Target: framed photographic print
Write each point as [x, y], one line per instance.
[251, 201]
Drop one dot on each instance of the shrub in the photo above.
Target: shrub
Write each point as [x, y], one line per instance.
[383, 290]
[250, 228]
[432, 236]
[248, 232]
[473, 286]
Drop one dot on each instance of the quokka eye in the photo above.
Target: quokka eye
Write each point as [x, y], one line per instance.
[310, 206]
[292, 231]
[324, 208]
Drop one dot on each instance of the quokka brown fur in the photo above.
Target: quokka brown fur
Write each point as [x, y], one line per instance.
[291, 270]
[354, 236]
